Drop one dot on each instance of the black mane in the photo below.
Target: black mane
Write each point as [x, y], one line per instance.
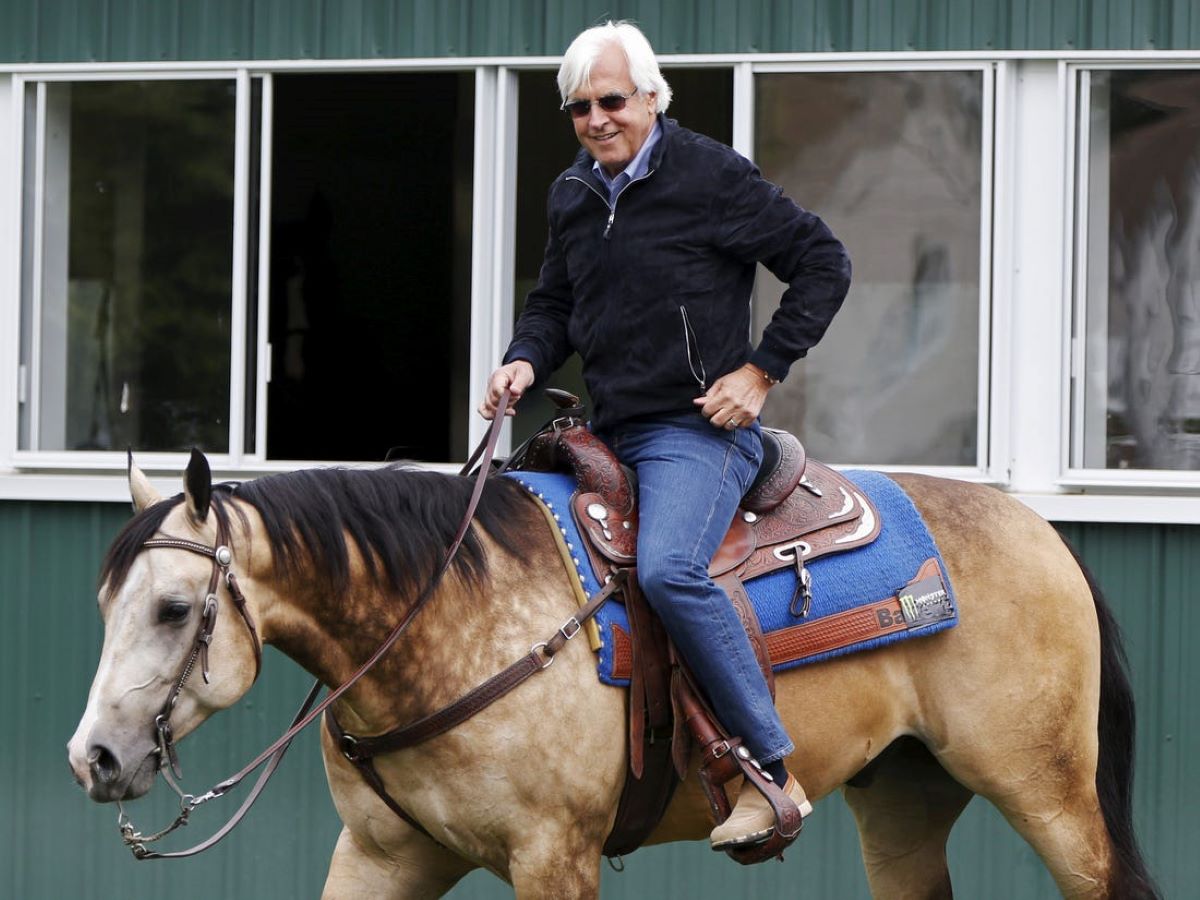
[400, 520]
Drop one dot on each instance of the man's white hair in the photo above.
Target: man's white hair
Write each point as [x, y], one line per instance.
[576, 68]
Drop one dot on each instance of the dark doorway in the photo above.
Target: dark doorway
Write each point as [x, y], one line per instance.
[370, 265]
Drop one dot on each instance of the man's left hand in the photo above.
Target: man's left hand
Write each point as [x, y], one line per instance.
[734, 400]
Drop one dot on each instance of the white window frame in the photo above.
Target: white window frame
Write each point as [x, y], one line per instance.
[1029, 323]
[487, 222]
[30, 375]
[1085, 334]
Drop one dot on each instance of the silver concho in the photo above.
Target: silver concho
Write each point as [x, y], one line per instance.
[597, 511]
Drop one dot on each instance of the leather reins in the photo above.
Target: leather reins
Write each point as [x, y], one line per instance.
[222, 559]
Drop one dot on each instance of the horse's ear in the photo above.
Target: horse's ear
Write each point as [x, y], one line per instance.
[197, 487]
[140, 489]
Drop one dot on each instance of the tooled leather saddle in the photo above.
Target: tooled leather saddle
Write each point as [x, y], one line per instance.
[795, 511]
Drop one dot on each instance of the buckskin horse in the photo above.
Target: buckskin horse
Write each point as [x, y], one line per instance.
[1025, 702]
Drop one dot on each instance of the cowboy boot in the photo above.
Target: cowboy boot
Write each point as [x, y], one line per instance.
[752, 819]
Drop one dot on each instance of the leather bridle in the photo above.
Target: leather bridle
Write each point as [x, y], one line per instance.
[222, 558]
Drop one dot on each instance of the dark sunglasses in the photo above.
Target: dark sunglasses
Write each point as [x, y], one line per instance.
[609, 103]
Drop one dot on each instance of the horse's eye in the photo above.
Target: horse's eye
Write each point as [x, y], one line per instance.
[173, 612]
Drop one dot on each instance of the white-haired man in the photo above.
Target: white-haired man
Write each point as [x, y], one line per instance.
[655, 232]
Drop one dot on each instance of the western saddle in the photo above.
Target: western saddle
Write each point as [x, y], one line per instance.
[795, 511]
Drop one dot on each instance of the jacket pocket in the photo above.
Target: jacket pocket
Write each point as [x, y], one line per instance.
[692, 348]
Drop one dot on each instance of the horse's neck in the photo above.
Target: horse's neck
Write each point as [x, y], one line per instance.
[463, 635]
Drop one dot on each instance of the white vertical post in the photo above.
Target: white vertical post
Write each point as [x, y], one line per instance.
[493, 240]
[1040, 248]
[743, 109]
[238, 299]
[483, 198]
[12, 101]
[997, 313]
[988, 180]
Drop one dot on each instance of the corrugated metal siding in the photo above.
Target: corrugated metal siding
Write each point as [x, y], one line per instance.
[56, 843]
[123, 30]
[53, 842]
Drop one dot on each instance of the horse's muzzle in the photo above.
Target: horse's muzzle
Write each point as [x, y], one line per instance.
[108, 773]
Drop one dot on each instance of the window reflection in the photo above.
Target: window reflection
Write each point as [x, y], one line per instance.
[133, 295]
[892, 162]
[1141, 193]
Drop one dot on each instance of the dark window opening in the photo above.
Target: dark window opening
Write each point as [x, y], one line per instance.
[370, 266]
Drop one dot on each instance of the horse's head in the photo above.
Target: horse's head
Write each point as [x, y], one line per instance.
[153, 602]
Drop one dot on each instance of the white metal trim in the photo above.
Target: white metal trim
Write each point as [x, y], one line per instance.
[34, 377]
[165, 475]
[743, 110]
[238, 277]
[128, 72]
[262, 377]
[984, 311]
[484, 198]
[1079, 130]
[504, 240]
[816, 63]
[1000, 371]
[11, 160]
[203, 68]
[1164, 480]
[1068, 89]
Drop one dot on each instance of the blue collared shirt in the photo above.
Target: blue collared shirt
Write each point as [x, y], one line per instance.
[637, 167]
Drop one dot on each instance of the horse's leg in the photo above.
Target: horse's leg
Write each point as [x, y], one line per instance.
[377, 853]
[904, 812]
[412, 867]
[556, 868]
[1018, 722]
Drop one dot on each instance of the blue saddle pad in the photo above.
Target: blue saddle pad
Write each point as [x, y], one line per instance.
[840, 582]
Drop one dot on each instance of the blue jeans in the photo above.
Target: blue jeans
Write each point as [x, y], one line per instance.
[691, 477]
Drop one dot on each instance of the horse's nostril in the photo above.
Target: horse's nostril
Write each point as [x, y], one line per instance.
[104, 766]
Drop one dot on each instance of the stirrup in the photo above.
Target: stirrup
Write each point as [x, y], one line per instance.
[789, 821]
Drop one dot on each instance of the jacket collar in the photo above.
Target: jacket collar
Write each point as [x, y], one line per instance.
[582, 167]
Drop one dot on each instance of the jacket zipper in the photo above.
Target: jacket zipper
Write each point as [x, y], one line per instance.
[689, 338]
[612, 209]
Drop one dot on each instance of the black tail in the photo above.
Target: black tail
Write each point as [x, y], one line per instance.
[1114, 769]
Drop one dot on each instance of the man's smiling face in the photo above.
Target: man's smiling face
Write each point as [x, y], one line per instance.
[613, 138]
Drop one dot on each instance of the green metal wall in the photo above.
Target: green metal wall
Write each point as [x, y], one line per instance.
[56, 843]
[123, 30]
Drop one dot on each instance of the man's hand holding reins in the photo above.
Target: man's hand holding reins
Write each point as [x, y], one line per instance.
[736, 399]
[516, 377]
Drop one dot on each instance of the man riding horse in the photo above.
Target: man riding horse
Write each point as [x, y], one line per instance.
[657, 304]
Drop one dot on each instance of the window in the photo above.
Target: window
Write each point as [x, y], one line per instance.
[271, 268]
[1136, 389]
[896, 164]
[126, 338]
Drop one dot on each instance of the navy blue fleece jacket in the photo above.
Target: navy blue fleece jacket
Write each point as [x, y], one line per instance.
[654, 292]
